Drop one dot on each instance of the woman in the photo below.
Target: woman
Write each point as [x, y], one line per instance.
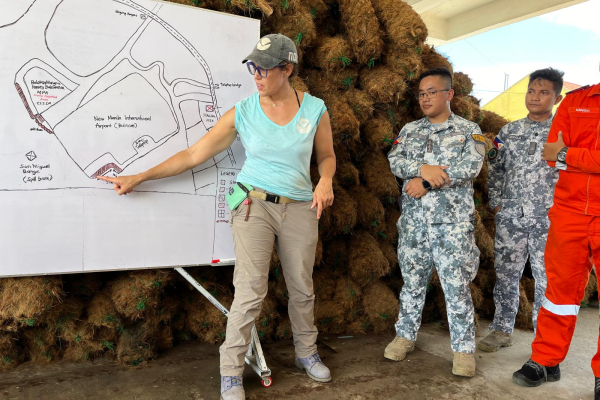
[279, 127]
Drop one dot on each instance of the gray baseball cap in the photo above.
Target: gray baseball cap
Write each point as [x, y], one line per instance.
[272, 50]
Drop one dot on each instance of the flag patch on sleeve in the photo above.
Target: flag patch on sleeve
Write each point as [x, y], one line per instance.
[498, 143]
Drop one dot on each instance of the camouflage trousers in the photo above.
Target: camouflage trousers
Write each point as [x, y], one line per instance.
[516, 240]
[451, 249]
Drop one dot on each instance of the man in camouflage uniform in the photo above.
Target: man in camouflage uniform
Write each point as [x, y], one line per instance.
[437, 157]
[521, 191]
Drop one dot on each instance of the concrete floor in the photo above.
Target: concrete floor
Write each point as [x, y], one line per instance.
[359, 370]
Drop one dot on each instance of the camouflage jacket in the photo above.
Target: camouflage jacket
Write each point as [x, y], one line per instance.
[457, 143]
[518, 179]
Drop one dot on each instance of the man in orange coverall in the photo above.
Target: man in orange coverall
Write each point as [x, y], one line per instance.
[573, 147]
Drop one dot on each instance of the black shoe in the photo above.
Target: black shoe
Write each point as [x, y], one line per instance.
[533, 374]
[597, 389]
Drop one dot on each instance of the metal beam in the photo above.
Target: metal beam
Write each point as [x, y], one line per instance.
[500, 13]
[473, 17]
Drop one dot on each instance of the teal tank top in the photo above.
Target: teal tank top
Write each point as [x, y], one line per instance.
[278, 157]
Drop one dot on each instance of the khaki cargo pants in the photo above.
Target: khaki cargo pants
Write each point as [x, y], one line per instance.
[293, 228]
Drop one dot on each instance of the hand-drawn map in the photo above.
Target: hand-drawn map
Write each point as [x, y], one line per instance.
[94, 88]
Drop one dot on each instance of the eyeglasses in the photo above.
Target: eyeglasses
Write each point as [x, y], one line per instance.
[252, 68]
[430, 94]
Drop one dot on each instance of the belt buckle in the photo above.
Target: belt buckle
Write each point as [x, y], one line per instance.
[272, 198]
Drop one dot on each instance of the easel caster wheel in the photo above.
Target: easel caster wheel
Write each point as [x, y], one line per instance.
[267, 382]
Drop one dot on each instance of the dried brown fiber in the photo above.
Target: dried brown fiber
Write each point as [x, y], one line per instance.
[590, 289]
[378, 132]
[432, 59]
[347, 293]
[344, 125]
[474, 100]
[319, 251]
[477, 112]
[283, 329]
[367, 262]
[484, 242]
[378, 176]
[347, 174]
[382, 84]
[524, 318]
[461, 83]
[136, 345]
[41, 344]
[345, 79]
[381, 307]
[335, 255]
[462, 107]
[492, 122]
[318, 9]
[332, 54]
[392, 215]
[359, 327]
[476, 296]
[318, 83]
[83, 285]
[81, 343]
[296, 23]
[25, 299]
[343, 213]
[362, 28]
[10, 350]
[324, 284]
[404, 26]
[101, 311]
[342, 151]
[135, 292]
[164, 337]
[266, 321]
[389, 251]
[407, 64]
[329, 317]
[360, 103]
[278, 288]
[202, 318]
[370, 213]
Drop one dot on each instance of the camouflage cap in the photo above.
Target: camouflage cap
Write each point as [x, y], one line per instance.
[272, 50]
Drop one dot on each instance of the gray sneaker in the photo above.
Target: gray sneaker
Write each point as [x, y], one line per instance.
[232, 388]
[494, 341]
[314, 367]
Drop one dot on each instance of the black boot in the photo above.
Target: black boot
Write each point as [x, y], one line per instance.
[597, 389]
[533, 374]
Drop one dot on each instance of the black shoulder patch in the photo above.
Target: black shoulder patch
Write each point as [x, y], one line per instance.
[493, 153]
[578, 89]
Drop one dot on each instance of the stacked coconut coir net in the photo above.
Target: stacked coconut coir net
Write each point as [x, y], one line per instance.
[363, 58]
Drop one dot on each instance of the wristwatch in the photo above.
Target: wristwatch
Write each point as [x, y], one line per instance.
[426, 185]
[562, 155]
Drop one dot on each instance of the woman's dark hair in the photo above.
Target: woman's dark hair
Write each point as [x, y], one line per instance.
[283, 64]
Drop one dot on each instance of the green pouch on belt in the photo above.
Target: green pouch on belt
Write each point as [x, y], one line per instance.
[237, 195]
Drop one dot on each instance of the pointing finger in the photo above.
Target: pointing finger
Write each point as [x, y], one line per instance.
[107, 179]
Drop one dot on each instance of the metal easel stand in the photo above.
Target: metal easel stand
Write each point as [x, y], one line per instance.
[254, 357]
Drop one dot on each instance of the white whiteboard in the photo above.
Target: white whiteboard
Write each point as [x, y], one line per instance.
[104, 87]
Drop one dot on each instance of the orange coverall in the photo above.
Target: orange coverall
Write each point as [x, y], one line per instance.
[574, 236]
